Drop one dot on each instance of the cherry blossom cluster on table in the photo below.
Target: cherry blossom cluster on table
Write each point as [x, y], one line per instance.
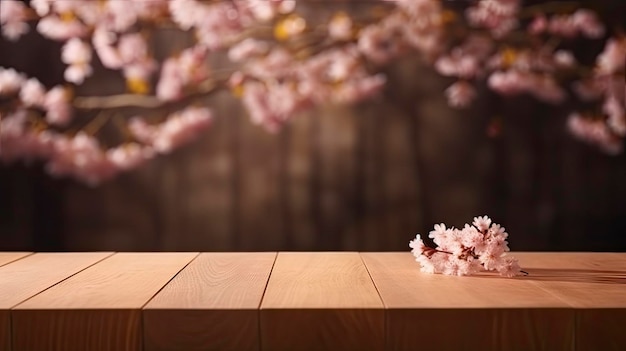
[280, 63]
[476, 247]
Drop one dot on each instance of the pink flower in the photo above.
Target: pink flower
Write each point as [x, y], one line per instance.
[177, 72]
[582, 22]
[265, 10]
[10, 81]
[340, 27]
[42, 7]
[33, 93]
[77, 54]
[539, 25]
[482, 223]
[463, 252]
[20, 142]
[377, 43]
[499, 16]
[57, 105]
[359, 88]
[595, 132]
[129, 156]
[82, 158]
[177, 130]
[564, 59]
[13, 19]
[611, 60]
[103, 44]
[588, 24]
[460, 94]
[248, 48]
[56, 28]
[417, 245]
[617, 116]
[509, 267]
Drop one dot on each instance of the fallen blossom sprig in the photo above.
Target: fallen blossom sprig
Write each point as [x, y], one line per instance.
[466, 251]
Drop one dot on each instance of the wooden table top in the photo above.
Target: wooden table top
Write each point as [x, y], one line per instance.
[306, 301]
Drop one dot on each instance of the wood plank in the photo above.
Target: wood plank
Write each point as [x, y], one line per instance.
[8, 257]
[485, 311]
[594, 284]
[97, 309]
[31, 275]
[211, 305]
[321, 301]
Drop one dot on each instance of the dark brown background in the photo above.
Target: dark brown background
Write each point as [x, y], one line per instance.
[367, 177]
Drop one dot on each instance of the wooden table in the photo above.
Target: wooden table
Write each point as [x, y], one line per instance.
[306, 301]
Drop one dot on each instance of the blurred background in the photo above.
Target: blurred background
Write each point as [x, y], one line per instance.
[366, 177]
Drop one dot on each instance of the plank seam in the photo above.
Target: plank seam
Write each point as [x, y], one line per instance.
[17, 259]
[166, 283]
[385, 317]
[62, 280]
[269, 276]
[55, 284]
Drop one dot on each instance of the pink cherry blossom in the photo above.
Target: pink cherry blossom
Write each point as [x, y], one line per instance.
[177, 72]
[13, 19]
[177, 130]
[33, 93]
[340, 27]
[20, 142]
[499, 16]
[594, 132]
[42, 7]
[539, 25]
[82, 158]
[460, 94]
[612, 60]
[57, 105]
[248, 48]
[377, 43]
[265, 10]
[466, 251]
[77, 54]
[617, 115]
[10, 81]
[588, 24]
[482, 223]
[54, 27]
[129, 156]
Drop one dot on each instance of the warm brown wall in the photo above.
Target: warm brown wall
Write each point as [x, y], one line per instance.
[367, 177]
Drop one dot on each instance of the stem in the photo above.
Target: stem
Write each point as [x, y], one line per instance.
[136, 100]
[95, 124]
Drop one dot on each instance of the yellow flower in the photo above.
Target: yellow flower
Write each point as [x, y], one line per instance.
[508, 56]
[289, 27]
[137, 86]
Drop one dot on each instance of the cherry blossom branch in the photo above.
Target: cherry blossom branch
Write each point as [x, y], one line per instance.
[143, 101]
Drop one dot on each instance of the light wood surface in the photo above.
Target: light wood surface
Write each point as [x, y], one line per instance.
[485, 311]
[592, 283]
[211, 305]
[30, 275]
[321, 301]
[97, 309]
[307, 301]
[8, 257]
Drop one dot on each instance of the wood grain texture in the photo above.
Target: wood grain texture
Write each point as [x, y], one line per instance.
[8, 257]
[211, 305]
[321, 301]
[484, 312]
[594, 284]
[26, 277]
[97, 309]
